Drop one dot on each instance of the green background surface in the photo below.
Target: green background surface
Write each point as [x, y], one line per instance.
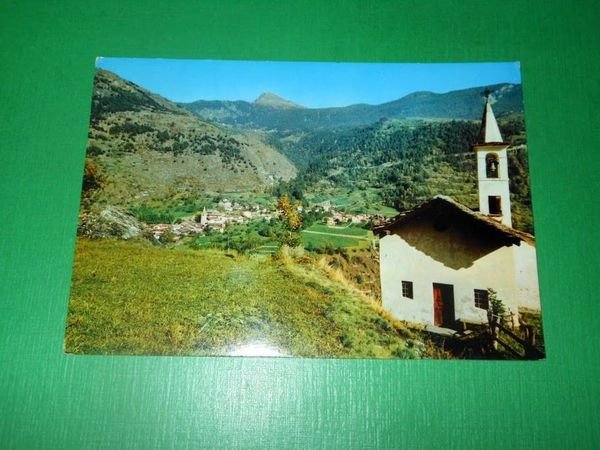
[52, 400]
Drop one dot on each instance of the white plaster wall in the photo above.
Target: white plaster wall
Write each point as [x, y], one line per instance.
[400, 261]
[396, 264]
[528, 292]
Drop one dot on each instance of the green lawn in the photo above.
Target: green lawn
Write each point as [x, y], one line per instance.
[321, 240]
[135, 298]
[341, 230]
[318, 235]
[385, 211]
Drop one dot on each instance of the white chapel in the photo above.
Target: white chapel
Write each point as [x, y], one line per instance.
[438, 260]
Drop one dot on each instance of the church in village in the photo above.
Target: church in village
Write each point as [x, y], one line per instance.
[438, 260]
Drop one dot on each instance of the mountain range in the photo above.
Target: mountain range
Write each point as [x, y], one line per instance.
[270, 112]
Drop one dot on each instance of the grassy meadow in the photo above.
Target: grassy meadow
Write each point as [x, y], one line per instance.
[348, 230]
[130, 297]
[323, 236]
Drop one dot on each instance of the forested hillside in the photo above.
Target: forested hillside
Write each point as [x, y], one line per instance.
[402, 163]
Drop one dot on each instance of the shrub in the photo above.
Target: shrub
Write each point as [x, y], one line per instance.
[93, 180]
[167, 237]
[94, 150]
[130, 128]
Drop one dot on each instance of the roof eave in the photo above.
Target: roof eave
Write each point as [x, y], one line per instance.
[513, 236]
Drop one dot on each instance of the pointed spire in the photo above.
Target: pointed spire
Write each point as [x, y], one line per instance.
[489, 133]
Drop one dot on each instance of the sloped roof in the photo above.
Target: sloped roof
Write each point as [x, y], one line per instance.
[442, 202]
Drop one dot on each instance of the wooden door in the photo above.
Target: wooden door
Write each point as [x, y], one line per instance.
[443, 305]
[438, 305]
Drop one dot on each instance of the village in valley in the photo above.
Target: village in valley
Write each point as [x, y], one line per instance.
[227, 212]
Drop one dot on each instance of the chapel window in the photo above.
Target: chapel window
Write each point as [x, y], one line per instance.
[481, 299]
[491, 165]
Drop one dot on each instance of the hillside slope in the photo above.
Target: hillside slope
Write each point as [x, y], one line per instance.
[206, 303]
[148, 148]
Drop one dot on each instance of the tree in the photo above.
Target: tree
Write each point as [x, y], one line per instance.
[497, 311]
[93, 179]
[292, 222]
[289, 212]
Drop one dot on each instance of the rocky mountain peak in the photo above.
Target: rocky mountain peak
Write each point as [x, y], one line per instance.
[273, 100]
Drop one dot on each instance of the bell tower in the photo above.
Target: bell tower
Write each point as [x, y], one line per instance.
[492, 168]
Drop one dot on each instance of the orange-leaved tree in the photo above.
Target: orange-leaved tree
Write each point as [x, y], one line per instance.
[292, 221]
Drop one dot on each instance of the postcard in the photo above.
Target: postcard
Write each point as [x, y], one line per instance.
[304, 209]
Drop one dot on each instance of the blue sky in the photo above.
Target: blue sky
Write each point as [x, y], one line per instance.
[314, 85]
